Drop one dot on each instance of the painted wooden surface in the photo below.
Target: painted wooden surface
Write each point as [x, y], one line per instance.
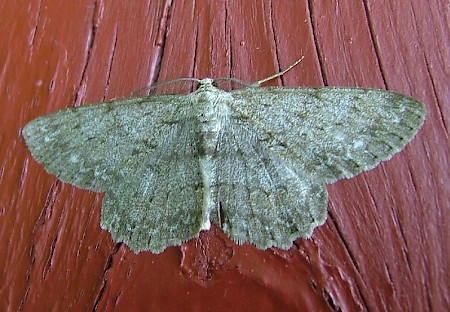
[385, 245]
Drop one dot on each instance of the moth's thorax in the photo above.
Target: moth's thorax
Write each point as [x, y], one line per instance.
[212, 112]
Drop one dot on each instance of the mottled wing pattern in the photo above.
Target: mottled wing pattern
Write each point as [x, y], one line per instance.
[331, 133]
[92, 146]
[142, 152]
[160, 204]
[262, 200]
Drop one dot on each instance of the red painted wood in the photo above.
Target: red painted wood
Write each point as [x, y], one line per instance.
[385, 245]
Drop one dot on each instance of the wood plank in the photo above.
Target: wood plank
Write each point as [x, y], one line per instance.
[385, 245]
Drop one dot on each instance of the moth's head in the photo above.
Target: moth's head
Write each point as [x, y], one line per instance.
[225, 84]
[206, 84]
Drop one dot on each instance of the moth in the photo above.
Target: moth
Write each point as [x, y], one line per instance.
[254, 161]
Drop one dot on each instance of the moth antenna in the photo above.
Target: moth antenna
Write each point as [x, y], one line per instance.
[258, 83]
[160, 84]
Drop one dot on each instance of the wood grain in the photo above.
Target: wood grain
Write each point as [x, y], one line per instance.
[385, 245]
